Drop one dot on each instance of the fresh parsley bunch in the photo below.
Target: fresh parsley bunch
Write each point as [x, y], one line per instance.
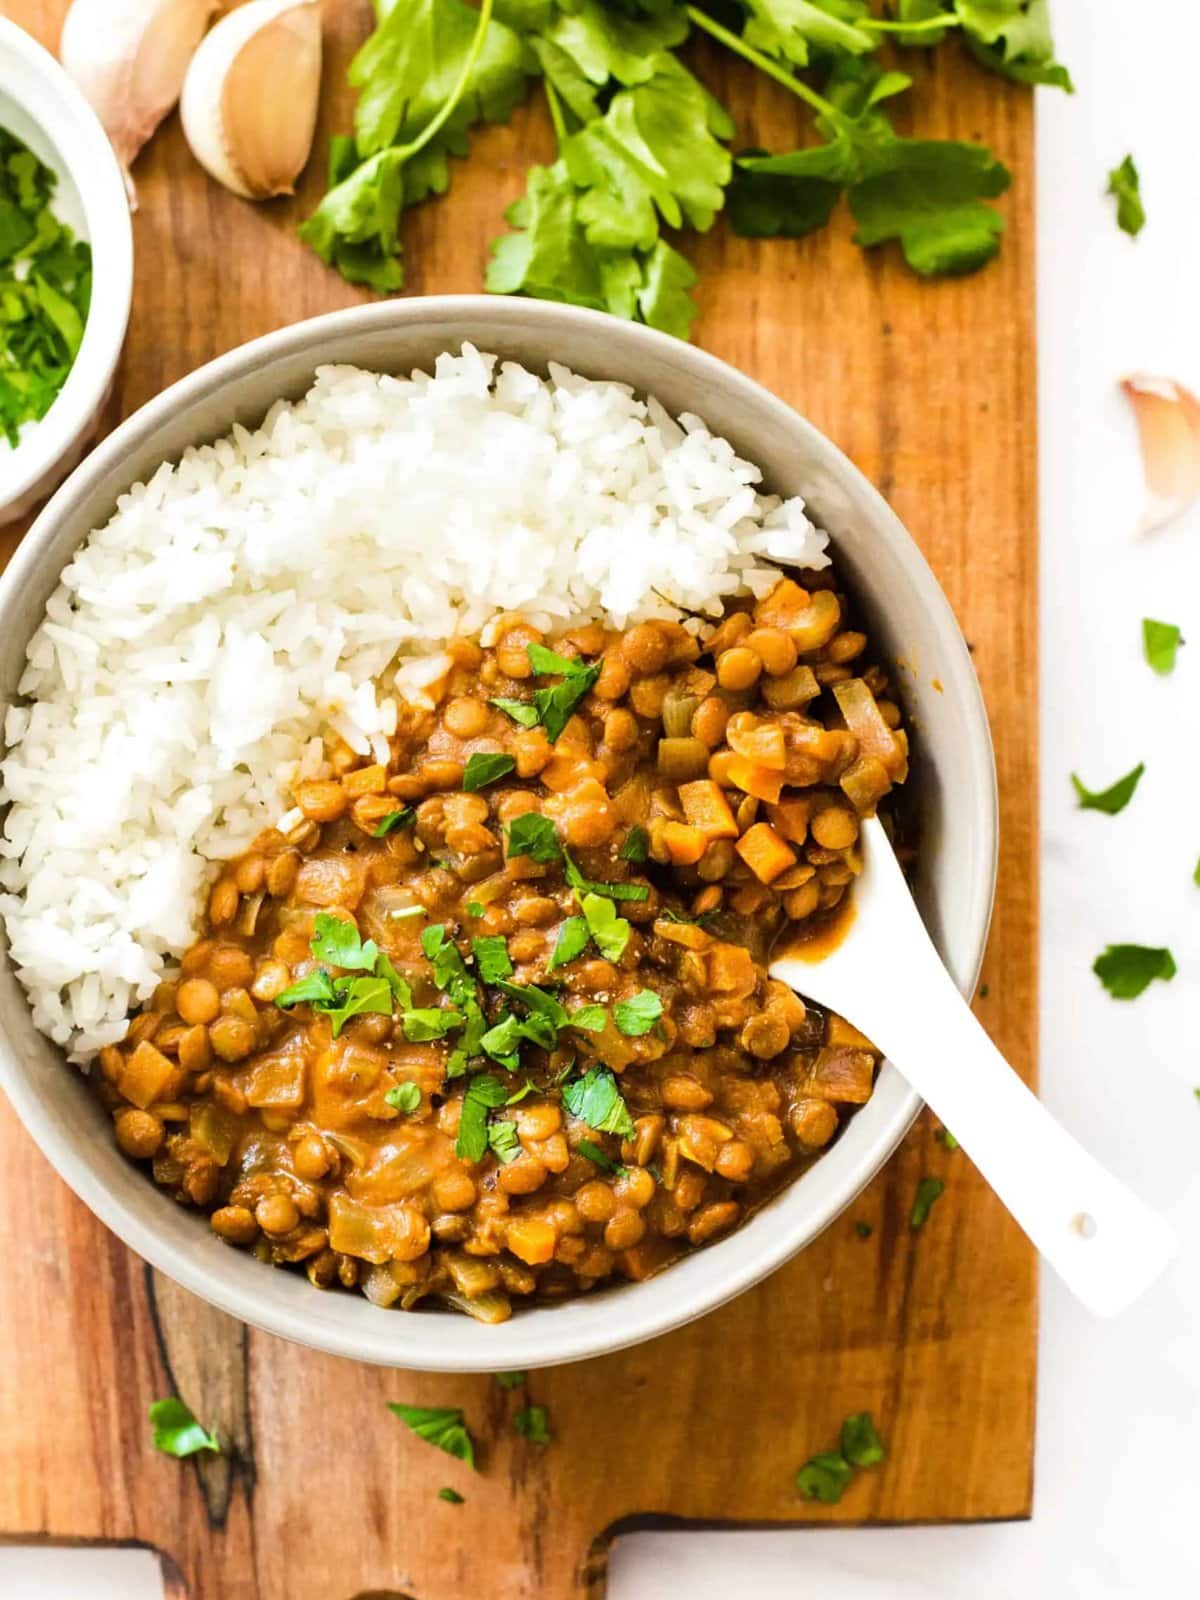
[643, 146]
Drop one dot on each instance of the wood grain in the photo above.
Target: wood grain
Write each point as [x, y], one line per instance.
[930, 388]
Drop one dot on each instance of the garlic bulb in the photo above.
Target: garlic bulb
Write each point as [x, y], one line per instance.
[129, 58]
[250, 96]
[1168, 419]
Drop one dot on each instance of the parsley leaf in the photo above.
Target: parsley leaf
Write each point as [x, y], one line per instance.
[316, 989]
[635, 846]
[787, 28]
[176, 1431]
[596, 1100]
[531, 1424]
[825, 1477]
[610, 931]
[596, 1156]
[428, 1023]
[1126, 970]
[503, 1141]
[394, 819]
[521, 711]
[1013, 37]
[928, 1190]
[1125, 185]
[861, 1444]
[864, 1230]
[404, 1097]
[546, 663]
[609, 891]
[1160, 640]
[571, 942]
[451, 1497]
[492, 960]
[532, 835]
[442, 1426]
[639, 1014]
[511, 1380]
[484, 767]
[540, 1001]
[449, 969]
[399, 985]
[358, 996]
[338, 942]
[482, 1095]
[1113, 799]
[555, 706]
[593, 1019]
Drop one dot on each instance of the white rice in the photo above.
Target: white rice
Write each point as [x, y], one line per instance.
[251, 596]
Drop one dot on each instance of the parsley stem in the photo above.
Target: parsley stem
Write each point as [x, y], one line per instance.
[556, 114]
[763, 63]
[928, 25]
[435, 125]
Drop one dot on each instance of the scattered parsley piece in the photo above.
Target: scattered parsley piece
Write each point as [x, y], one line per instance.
[511, 1380]
[522, 711]
[596, 1156]
[358, 997]
[864, 1230]
[451, 1497]
[596, 1100]
[526, 1089]
[639, 1014]
[449, 969]
[534, 836]
[572, 941]
[1126, 970]
[484, 767]
[1196, 874]
[1110, 800]
[315, 989]
[947, 1138]
[395, 819]
[531, 1424]
[492, 960]
[399, 986]
[540, 1001]
[338, 943]
[861, 1444]
[547, 663]
[608, 891]
[610, 931]
[404, 1097]
[825, 1477]
[407, 913]
[474, 908]
[592, 1019]
[176, 1431]
[429, 1023]
[928, 1190]
[636, 845]
[442, 1426]
[556, 706]
[1125, 185]
[984, 991]
[503, 1141]
[1160, 641]
[483, 1094]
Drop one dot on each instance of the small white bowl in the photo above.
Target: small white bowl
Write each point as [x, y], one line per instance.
[41, 106]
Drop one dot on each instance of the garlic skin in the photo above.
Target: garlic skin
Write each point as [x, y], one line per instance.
[1168, 419]
[129, 58]
[250, 97]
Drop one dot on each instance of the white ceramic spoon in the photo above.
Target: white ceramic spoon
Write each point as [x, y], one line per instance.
[886, 978]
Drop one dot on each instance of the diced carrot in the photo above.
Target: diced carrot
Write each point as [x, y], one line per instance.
[146, 1076]
[531, 1240]
[764, 744]
[684, 844]
[688, 934]
[706, 808]
[784, 606]
[731, 970]
[790, 818]
[748, 776]
[764, 852]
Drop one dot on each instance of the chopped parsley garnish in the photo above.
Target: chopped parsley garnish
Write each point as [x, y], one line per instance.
[928, 1190]
[442, 1426]
[405, 913]
[503, 1141]
[45, 289]
[526, 1089]
[540, 1001]
[483, 1094]
[639, 1014]
[394, 819]
[827, 1476]
[596, 1100]
[609, 891]
[404, 1097]
[522, 711]
[572, 941]
[610, 931]
[1126, 970]
[555, 706]
[429, 1023]
[592, 1019]
[475, 908]
[375, 990]
[531, 1424]
[596, 1156]
[1160, 641]
[492, 960]
[534, 836]
[864, 1230]
[337, 941]
[176, 1431]
[1125, 185]
[1196, 874]
[511, 1380]
[360, 997]
[484, 767]
[636, 845]
[449, 969]
[451, 1497]
[1113, 799]
[947, 1138]
[315, 989]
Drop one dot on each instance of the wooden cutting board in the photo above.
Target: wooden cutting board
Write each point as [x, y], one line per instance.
[324, 1495]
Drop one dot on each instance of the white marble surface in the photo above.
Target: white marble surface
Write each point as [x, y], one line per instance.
[1117, 1480]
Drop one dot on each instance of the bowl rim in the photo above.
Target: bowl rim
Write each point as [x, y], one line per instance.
[52, 100]
[589, 1325]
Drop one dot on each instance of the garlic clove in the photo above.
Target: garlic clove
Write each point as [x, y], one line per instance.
[251, 93]
[129, 58]
[1168, 419]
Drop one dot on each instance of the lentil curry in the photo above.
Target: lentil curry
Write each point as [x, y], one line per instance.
[492, 1020]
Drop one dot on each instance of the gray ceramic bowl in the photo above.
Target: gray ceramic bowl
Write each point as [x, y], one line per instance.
[954, 781]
